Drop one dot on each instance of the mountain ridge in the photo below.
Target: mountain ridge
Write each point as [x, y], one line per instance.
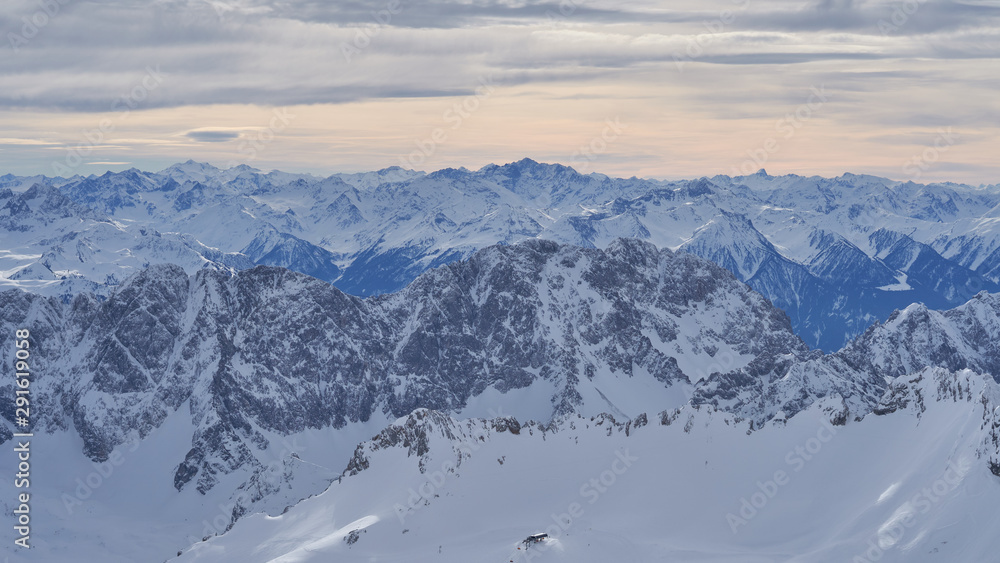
[825, 262]
[237, 363]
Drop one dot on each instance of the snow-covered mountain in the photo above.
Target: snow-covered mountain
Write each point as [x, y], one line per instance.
[859, 374]
[184, 405]
[55, 246]
[836, 254]
[909, 482]
[563, 329]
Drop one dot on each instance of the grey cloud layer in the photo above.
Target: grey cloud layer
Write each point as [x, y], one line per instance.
[281, 52]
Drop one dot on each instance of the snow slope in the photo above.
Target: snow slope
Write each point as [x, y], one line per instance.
[910, 485]
[126, 510]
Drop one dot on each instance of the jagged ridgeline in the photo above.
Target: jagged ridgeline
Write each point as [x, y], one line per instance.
[625, 330]
[836, 254]
[228, 364]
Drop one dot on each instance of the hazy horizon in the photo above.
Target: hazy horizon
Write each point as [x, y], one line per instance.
[904, 91]
[320, 175]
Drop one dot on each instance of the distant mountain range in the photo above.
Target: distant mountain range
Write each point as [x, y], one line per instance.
[398, 366]
[836, 254]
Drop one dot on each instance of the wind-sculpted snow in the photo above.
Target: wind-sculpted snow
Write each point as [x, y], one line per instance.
[836, 254]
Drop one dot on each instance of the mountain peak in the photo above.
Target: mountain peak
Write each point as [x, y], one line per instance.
[190, 170]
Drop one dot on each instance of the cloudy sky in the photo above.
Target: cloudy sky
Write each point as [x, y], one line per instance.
[685, 88]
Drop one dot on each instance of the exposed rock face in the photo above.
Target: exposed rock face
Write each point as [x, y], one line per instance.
[874, 363]
[836, 254]
[270, 350]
